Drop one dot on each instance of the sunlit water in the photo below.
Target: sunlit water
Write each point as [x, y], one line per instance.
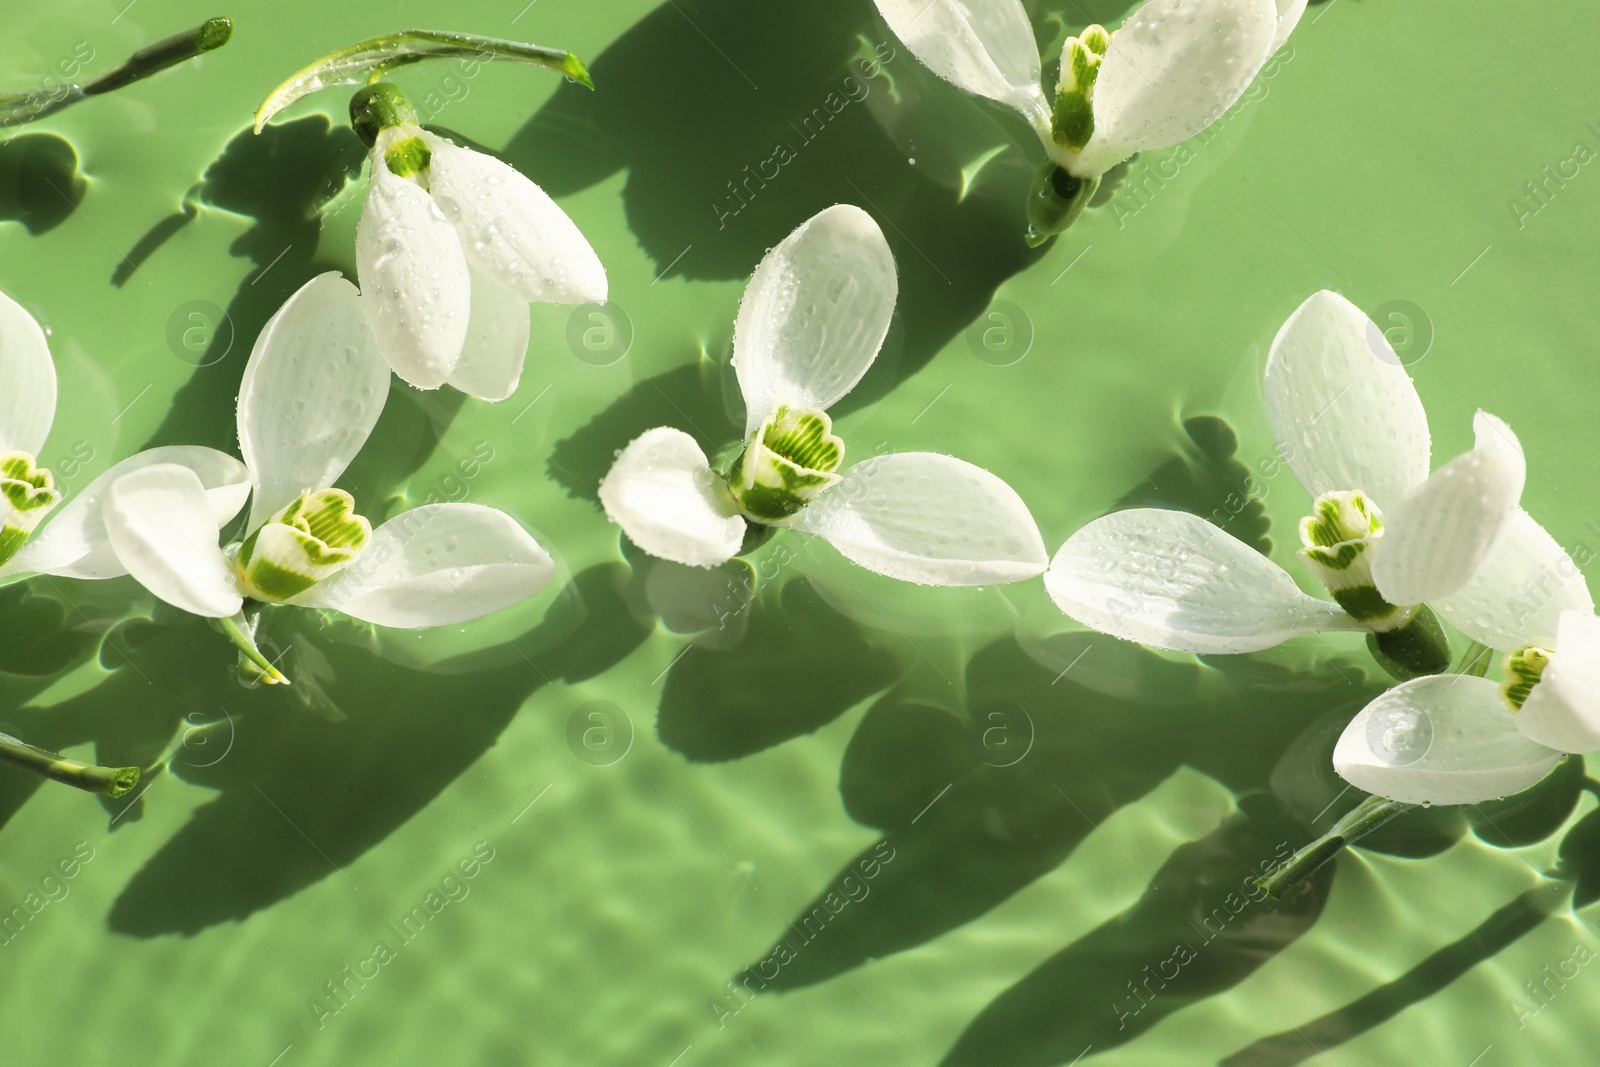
[788, 813]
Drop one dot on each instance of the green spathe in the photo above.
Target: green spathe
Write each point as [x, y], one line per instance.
[790, 459]
[314, 537]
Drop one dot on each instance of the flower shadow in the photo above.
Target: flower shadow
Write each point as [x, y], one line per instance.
[40, 181]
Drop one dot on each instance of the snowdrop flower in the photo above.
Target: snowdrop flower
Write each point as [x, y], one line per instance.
[73, 543]
[312, 391]
[811, 322]
[452, 247]
[1170, 71]
[1465, 739]
[1386, 537]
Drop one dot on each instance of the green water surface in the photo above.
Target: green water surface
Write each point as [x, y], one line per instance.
[940, 826]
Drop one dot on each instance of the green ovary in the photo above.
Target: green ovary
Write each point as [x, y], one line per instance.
[311, 539]
[789, 460]
[30, 493]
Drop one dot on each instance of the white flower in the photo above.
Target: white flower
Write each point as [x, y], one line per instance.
[73, 543]
[1386, 536]
[811, 322]
[452, 247]
[1170, 71]
[312, 391]
[1469, 739]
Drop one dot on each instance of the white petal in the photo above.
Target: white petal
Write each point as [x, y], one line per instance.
[312, 391]
[1443, 739]
[437, 565]
[1440, 536]
[927, 518]
[74, 542]
[1172, 69]
[497, 342]
[511, 230]
[1173, 580]
[163, 529]
[1343, 410]
[1289, 12]
[1520, 593]
[814, 314]
[414, 282]
[27, 381]
[983, 46]
[663, 494]
[1563, 711]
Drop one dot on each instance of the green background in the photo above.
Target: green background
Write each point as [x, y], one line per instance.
[671, 775]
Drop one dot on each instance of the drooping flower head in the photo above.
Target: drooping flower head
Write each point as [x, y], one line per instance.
[811, 322]
[1386, 537]
[1170, 70]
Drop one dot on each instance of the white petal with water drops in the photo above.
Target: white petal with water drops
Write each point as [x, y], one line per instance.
[437, 565]
[414, 282]
[1563, 711]
[27, 381]
[164, 531]
[1172, 69]
[74, 542]
[1439, 537]
[926, 518]
[1520, 592]
[1173, 580]
[663, 494]
[1343, 410]
[986, 47]
[312, 391]
[497, 342]
[1443, 739]
[511, 230]
[815, 314]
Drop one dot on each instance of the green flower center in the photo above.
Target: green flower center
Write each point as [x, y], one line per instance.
[1072, 121]
[312, 538]
[30, 493]
[788, 461]
[1523, 668]
[1338, 537]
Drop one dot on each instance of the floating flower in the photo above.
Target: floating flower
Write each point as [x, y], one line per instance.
[1466, 739]
[312, 391]
[1386, 537]
[452, 247]
[73, 543]
[1170, 71]
[811, 322]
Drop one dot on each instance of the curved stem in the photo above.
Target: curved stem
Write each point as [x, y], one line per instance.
[112, 781]
[1359, 821]
[238, 631]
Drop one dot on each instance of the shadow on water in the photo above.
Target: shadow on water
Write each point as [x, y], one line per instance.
[278, 179]
[735, 122]
[40, 183]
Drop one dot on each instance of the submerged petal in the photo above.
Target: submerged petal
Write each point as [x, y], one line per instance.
[1343, 410]
[1520, 592]
[1440, 536]
[814, 314]
[414, 282]
[1563, 711]
[163, 529]
[984, 46]
[922, 517]
[437, 565]
[663, 494]
[1173, 580]
[511, 230]
[312, 391]
[1443, 739]
[1172, 69]
[27, 381]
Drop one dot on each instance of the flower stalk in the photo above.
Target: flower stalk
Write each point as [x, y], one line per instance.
[1359, 821]
[109, 781]
[238, 629]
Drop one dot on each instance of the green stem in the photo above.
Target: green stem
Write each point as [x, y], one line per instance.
[366, 62]
[1475, 660]
[112, 781]
[238, 631]
[19, 108]
[1359, 821]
